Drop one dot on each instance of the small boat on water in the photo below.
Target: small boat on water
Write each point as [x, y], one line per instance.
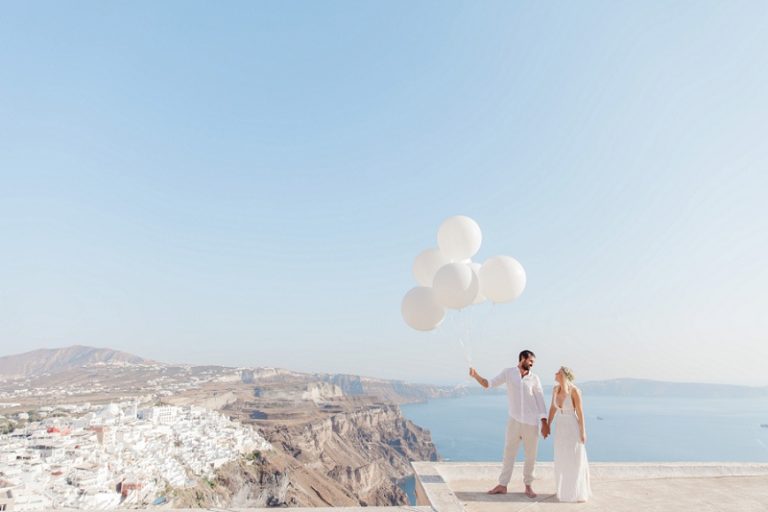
[600, 418]
[764, 425]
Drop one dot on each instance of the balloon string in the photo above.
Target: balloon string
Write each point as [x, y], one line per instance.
[464, 332]
[467, 354]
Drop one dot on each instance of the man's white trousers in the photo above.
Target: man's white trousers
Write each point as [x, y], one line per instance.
[516, 433]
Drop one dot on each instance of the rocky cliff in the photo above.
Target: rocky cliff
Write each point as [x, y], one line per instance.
[348, 458]
[364, 452]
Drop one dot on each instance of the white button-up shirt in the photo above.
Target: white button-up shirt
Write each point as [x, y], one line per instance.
[524, 394]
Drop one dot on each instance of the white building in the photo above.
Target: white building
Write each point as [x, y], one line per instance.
[6, 495]
[79, 462]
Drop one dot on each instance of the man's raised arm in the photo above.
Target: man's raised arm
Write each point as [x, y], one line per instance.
[480, 380]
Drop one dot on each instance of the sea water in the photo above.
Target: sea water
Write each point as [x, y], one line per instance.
[619, 429]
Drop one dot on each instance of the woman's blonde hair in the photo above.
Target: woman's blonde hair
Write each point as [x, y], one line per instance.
[569, 376]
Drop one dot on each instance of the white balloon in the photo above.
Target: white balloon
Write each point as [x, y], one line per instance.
[459, 237]
[502, 279]
[480, 298]
[455, 285]
[426, 265]
[421, 310]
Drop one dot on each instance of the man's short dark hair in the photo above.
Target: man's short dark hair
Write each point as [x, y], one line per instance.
[525, 354]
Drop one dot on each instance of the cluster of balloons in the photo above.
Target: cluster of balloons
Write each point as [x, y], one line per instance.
[448, 277]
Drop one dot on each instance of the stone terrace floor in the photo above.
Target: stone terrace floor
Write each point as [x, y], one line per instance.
[616, 487]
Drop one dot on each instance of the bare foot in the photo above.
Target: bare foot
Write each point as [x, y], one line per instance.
[499, 489]
[529, 492]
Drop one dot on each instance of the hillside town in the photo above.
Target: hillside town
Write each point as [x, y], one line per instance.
[105, 378]
[119, 455]
[89, 428]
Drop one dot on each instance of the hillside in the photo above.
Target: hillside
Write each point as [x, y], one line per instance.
[52, 361]
[336, 440]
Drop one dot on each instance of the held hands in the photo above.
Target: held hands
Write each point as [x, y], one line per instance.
[544, 429]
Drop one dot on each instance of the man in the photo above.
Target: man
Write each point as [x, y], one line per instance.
[526, 410]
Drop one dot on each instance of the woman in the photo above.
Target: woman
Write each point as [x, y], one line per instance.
[571, 466]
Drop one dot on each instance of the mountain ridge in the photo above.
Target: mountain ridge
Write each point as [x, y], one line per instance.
[57, 360]
[36, 363]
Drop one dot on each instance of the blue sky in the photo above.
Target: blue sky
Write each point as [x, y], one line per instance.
[247, 183]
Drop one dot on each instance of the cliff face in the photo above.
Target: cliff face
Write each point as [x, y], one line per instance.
[339, 441]
[345, 459]
[360, 453]
[320, 392]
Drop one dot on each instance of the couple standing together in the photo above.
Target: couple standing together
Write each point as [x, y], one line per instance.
[528, 414]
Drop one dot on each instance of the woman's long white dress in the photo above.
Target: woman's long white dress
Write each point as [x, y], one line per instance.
[571, 465]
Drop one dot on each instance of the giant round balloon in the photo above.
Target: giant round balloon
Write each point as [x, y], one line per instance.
[480, 298]
[421, 310]
[459, 237]
[426, 265]
[455, 285]
[502, 279]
